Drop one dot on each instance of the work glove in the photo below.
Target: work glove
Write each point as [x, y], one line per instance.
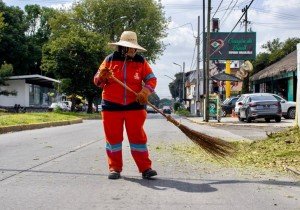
[142, 96]
[102, 76]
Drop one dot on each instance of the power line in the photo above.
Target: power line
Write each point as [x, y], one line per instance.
[234, 27]
[217, 9]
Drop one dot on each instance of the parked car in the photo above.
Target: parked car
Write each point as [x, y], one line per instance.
[260, 106]
[238, 104]
[149, 109]
[59, 105]
[288, 107]
[167, 109]
[228, 105]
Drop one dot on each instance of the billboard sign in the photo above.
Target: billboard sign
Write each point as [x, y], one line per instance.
[232, 46]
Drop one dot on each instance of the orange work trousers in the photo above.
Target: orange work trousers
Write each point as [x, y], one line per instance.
[113, 123]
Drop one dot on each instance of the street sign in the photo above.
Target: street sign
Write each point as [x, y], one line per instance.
[232, 46]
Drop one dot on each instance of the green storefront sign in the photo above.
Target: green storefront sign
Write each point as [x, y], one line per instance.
[232, 46]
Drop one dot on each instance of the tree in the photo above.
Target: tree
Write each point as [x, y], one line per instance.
[2, 24]
[145, 17]
[154, 99]
[175, 86]
[5, 71]
[13, 48]
[23, 36]
[165, 102]
[272, 46]
[37, 34]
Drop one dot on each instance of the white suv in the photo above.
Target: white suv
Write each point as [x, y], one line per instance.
[238, 102]
[288, 107]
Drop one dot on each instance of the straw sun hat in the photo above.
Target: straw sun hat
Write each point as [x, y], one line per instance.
[128, 39]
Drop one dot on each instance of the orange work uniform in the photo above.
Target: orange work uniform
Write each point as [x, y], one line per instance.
[119, 108]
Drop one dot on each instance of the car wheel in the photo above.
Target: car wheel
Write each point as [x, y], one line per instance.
[248, 119]
[291, 113]
[267, 120]
[224, 113]
[241, 119]
[277, 119]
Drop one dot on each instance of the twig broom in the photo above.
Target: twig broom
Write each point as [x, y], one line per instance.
[214, 146]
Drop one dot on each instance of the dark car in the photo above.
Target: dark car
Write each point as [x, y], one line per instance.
[228, 105]
[260, 106]
[149, 109]
[166, 110]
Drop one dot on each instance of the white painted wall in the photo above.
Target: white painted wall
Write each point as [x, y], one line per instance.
[22, 96]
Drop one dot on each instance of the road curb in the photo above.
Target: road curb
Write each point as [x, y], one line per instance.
[230, 124]
[16, 128]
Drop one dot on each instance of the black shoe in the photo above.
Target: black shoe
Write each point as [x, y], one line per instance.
[149, 173]
[114, 175]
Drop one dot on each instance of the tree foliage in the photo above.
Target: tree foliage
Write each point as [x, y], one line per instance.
[13, 48]
[23, 36]
[154, 99]
[165, 102]
[175, 86]
[5, 72]
[2, 24]
[112, 17]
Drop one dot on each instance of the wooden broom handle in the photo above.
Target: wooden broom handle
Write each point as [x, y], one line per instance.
[129, 89]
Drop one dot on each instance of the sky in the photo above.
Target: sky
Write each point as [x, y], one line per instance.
[270, 19]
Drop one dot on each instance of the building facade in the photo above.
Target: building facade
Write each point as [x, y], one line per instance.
[32, 91]
[279, 78]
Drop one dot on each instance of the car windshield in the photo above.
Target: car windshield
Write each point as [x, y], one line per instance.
[262, 98]
[240, 98]
[226, 101]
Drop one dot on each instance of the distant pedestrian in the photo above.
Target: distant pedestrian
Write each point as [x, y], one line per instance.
[121, 107]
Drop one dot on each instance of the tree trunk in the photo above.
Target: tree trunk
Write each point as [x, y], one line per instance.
[90, 105]
[73, 99]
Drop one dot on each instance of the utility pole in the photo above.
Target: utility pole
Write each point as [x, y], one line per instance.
[203, 58]
[245, 10]
[183, 85]
[207, 63]
[198, 70]
[298, 87]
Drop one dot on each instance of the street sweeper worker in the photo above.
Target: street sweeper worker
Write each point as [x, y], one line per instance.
[121, 107]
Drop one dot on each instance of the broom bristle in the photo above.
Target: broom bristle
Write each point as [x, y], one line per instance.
[212, 145]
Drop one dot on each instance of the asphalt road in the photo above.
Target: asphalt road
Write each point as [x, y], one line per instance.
[65, 168]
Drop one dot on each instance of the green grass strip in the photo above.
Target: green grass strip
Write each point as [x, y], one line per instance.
[33, 118]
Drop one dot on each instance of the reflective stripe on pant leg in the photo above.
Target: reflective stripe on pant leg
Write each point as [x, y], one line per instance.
[113, 126]
[134, 122]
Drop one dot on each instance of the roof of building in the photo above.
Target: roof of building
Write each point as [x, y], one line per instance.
[225, 77]
[286, 64]
[36, 79]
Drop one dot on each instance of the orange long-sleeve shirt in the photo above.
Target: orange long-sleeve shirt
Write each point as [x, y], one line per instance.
[132, 72]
